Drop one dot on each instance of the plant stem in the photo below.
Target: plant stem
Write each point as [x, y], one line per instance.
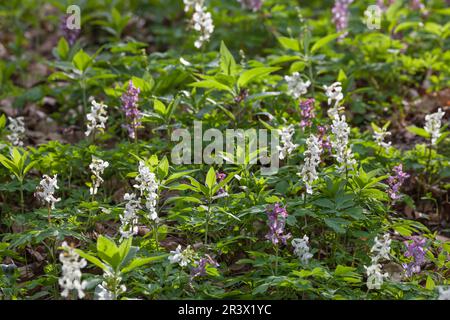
[207, 221]
[21, 197]
[48, 214]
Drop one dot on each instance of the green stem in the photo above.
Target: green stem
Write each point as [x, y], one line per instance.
[207, 221]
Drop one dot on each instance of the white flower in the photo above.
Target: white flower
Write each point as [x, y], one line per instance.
[381, 248]
[202, 22]
[110, 288]
[433, 124]
[182, 257]
[312, 160]
[343, 152]
[334, 92]
[188, 4]
[17, 131]
[71, 272]
[444, 294]
[129, 218]
[374, 276]
[46, 189]
[379, 137]
[96, 118]
[301, 249]
[97, 167]
[148, 186]
[287, 146]
[296, 86]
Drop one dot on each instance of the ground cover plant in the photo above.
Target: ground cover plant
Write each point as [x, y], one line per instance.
[208, 149]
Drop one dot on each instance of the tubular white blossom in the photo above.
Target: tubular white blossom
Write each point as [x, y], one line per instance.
[444, 294]
[375, 277]
[97, 167]
[46, 189]
[287, 146]
[148, 187]
[334, 92]
[71, 272]
[312, 160]
[381, 248]
[182, 257]
[433, 124]
[203, 23]
[301, 249]
[296, 86]
[17, 131]
[96, 119]
[379, 137]
[129, 218]
[343, 152]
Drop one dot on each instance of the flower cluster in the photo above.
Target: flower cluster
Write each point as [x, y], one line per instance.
[307, 112]
[71, 272]
[416, 251]
[254, 5]
[96, 118]
[97, 167]
[220, 176]
[182, 257]
[287, 146]
[334, 92]
[148, 187]
[16, 128]
[395, 181]
[200, 269]
[340, 15]
[324, 140]
[341, 131]
[379, 136]
[433, 125]
[46, 189]
[129, 105]
[296, 86]
[308, 172]
[301, 249]
[277, 221]
[129, 218]
[380, 250]
[202, 23]
[71, 35]
[110, 288]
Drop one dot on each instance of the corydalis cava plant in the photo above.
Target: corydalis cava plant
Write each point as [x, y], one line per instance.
[96, 119]
[97, 167]
[287, 146]
[343, 152]
[129, 217]
[301, 249]
[16, 129]
[296, 85]
[380, 251]
[340, 15]
[70, 280]
[148, 187]
[308, 172]
[433, 124]
[334, 92]
[201, 21]
[129, 105]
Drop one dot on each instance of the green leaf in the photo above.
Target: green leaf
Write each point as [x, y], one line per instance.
[163, 168]
[81, 60]
[159, 107]
[62, 48]
[323, 41]
[92, 259]
[430, 285]
[418, 131]
[211, 84]
[337, 224]
[227, 62]
[255, 73]
[2, 121]
[210, 178]
[289, 43]
[138, 262]
[108, 251]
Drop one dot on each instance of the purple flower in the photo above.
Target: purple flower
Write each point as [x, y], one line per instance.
[416, 251]
[340, 15]
[129, 105]
[307, 112]
[200, 269]
[277, 221]
[324, 140]
[254, 5]
[219, 177]
[395, 181]
[71, 35]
